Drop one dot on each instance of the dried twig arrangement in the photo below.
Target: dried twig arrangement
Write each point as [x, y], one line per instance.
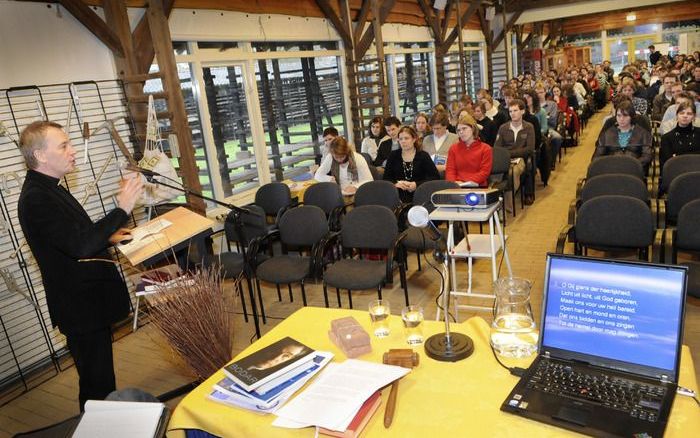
[196, 318]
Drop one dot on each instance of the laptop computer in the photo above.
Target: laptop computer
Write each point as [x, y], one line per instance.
[609, 347]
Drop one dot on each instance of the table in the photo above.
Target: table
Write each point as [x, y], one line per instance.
[480, 246]
[437, 399]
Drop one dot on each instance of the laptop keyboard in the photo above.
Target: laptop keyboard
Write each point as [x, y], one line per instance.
[637, 399]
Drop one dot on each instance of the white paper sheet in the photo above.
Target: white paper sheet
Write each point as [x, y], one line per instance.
[113, 419]
[333, 400]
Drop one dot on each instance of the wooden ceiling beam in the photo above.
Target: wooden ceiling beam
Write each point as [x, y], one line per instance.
[507, 28]
[331, 15]
[445, 24]
[143, 41]
[471, 10]
[362, 19]
[485, 26]
[88, 18]
[368, 37]
[431, 19]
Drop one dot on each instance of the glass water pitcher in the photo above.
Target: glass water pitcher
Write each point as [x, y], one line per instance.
[513, 332]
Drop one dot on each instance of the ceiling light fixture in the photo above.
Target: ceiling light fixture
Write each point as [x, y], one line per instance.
[631, 16]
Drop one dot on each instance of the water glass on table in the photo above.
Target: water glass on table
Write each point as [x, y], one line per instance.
[379, 312]
[412, 317]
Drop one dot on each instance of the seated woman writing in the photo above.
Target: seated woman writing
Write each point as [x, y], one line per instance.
[409, 166]
[469, 160]
[626, 138]
[343, 166]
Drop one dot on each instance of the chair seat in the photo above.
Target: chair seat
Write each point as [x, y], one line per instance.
[284, 269]
[356, 274]
[231, 263]
[693, 278]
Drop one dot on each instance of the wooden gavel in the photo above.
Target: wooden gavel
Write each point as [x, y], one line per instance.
[403, 357]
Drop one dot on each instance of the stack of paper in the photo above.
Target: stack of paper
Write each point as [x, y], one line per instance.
[333, 400]
[271, 395]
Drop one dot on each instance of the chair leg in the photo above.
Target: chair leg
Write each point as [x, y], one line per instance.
[260, 300]
[350, 297]
[303, 293]
[325, 294]
[379, 291]
[291, 297]
[279, 294]
[418, 253]
[253, 306]
[239, 287]
[337, 293]
[402, 273]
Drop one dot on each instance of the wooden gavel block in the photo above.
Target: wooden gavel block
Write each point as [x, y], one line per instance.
[403, 357]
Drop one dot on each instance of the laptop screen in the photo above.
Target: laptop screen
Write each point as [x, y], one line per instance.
[619, 314]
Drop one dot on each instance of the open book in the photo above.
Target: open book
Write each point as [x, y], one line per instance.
[116, 419]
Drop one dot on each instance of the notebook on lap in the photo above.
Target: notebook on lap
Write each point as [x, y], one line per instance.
[609, 348]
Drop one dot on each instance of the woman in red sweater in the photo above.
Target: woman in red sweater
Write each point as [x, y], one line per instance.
[469, 160]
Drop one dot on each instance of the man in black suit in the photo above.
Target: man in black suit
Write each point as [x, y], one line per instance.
[84, 298]
[654, 55]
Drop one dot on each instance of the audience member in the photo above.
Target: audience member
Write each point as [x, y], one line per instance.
[684, 138]
[626, 138]
[518, 137]
[376, 136]
[421, 125]
[438, 143]
[346, 167]
[664, 99]
[391, 125]
[469, 160]
[409, 166]
[488, 129]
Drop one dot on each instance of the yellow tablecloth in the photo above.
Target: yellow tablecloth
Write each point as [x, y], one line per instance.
[437, 399]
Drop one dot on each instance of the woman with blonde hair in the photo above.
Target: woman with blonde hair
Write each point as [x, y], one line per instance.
[409, 166]
[343, 166]
[469, 160]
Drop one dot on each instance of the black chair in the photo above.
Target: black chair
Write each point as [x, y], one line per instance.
[501, 177]
[418, 239]
[676, 166]
[242, 229]
[609, 184]
[686, 238]
[329, 198]
[274, 198]
[613, 223]
[620, 164]
[303, 230]
[378, 192]
[683, 189]
[372, 227]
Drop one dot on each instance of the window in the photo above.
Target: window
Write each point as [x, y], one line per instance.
[299, 97]
[230, 125]
[472, 73]
[185, 75]
[413, 81]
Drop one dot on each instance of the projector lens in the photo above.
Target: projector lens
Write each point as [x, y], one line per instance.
[472, 199]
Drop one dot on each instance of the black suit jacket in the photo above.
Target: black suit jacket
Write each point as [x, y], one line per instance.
[81, 296]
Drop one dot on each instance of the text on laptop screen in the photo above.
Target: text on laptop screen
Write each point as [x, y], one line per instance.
[625, 312]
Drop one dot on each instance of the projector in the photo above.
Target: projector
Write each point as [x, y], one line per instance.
[472, 198]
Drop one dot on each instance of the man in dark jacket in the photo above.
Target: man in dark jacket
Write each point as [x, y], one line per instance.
[654, 55]
[518, 136]
[84, 297]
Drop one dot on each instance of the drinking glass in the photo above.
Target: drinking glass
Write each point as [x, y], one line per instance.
[379, 312]
[412, 317]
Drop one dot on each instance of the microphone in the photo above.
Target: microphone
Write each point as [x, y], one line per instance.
[141, 170]
[419, 217]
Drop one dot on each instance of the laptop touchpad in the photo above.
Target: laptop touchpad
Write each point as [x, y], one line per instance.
[573, 415]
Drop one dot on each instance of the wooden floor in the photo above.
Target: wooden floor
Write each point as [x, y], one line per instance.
[143, 360]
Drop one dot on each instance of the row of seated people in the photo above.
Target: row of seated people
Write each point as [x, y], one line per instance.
[630, 133]
[652, 93]
[468, 160]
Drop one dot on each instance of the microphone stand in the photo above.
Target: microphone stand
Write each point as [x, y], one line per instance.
[237, 212]
[447, 346]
